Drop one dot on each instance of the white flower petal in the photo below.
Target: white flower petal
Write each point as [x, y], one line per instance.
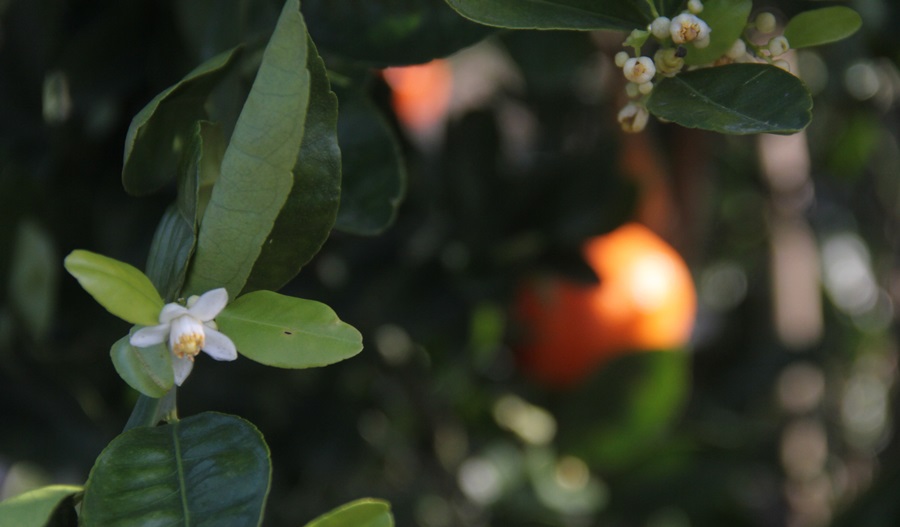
[209, 304]
[182, 368]
[219, 346]
[170, 311]
[149, 336]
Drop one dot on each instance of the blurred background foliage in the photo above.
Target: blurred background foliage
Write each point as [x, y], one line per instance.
[780, 411]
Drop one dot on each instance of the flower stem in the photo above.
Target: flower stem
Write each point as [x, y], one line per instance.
[149, 411]
[653, 10]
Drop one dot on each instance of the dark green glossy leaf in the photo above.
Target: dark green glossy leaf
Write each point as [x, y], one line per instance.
[161, 130]
[374, 174]
[642, 394]
[729, 17]
[176, 235]
[385, 32]
[366, 512]
[37, 507]
[206, 470]
[147, 370]
[822, 26]
[734, 99]
[312, 206]
[556, 14]
[288, 332]
[34, 278]
[257, 169]
[122, 289]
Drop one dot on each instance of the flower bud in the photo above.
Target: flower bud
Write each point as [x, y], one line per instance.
[695, 6]
[667, 61]
[633, 118]
[765, 22]
[783, 64]
[778, 46]
[645, 88]
[688, 28]
[660, 27]
[632, 91]
[620, 58]
[737, 50]
[639, 70]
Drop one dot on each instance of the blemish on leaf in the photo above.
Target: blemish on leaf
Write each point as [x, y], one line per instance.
[288, 333]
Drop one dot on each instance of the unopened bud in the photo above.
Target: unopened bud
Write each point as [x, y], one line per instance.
[778, 46]
[765, 22]
[633, 118]
[659, 28]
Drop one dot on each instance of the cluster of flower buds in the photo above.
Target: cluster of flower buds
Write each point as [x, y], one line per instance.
[673, 34]
[764, 24]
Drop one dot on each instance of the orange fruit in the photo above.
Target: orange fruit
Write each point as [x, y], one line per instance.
[420, 93]
[645, 300]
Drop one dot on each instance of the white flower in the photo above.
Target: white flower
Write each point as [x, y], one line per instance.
[188, 331]
[639, 70]
[688, 28]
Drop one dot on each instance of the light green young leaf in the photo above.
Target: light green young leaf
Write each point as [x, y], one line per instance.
[366, 512]
[556, 14]
[257, 170]
[288, 332]
[122, 289]
[822, 26]
[207, 469]
[147, 370]
[162, 129]
[734, 99]
[309, 213]
[728, 17]
[35, 508]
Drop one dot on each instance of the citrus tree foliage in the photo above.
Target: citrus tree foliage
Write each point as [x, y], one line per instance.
[275, 139]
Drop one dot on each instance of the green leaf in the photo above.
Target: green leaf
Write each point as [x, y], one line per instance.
[36, 508]
[394, 32]
[729, 17]
[556, 14]
[734, 99]
[257, 170]
[122, 289]
[366, 512]
[161, 130]
[822, 26]
[208, 469]
[147, 370]
[176, 235]
[288, 332]
[374, 174]
[309, 213]
[34, 278]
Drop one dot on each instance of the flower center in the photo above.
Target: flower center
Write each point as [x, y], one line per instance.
[689, 31]
[187, 337]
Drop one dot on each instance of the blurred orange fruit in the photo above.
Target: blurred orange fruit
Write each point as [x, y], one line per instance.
[421, 93]
[645, 300]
